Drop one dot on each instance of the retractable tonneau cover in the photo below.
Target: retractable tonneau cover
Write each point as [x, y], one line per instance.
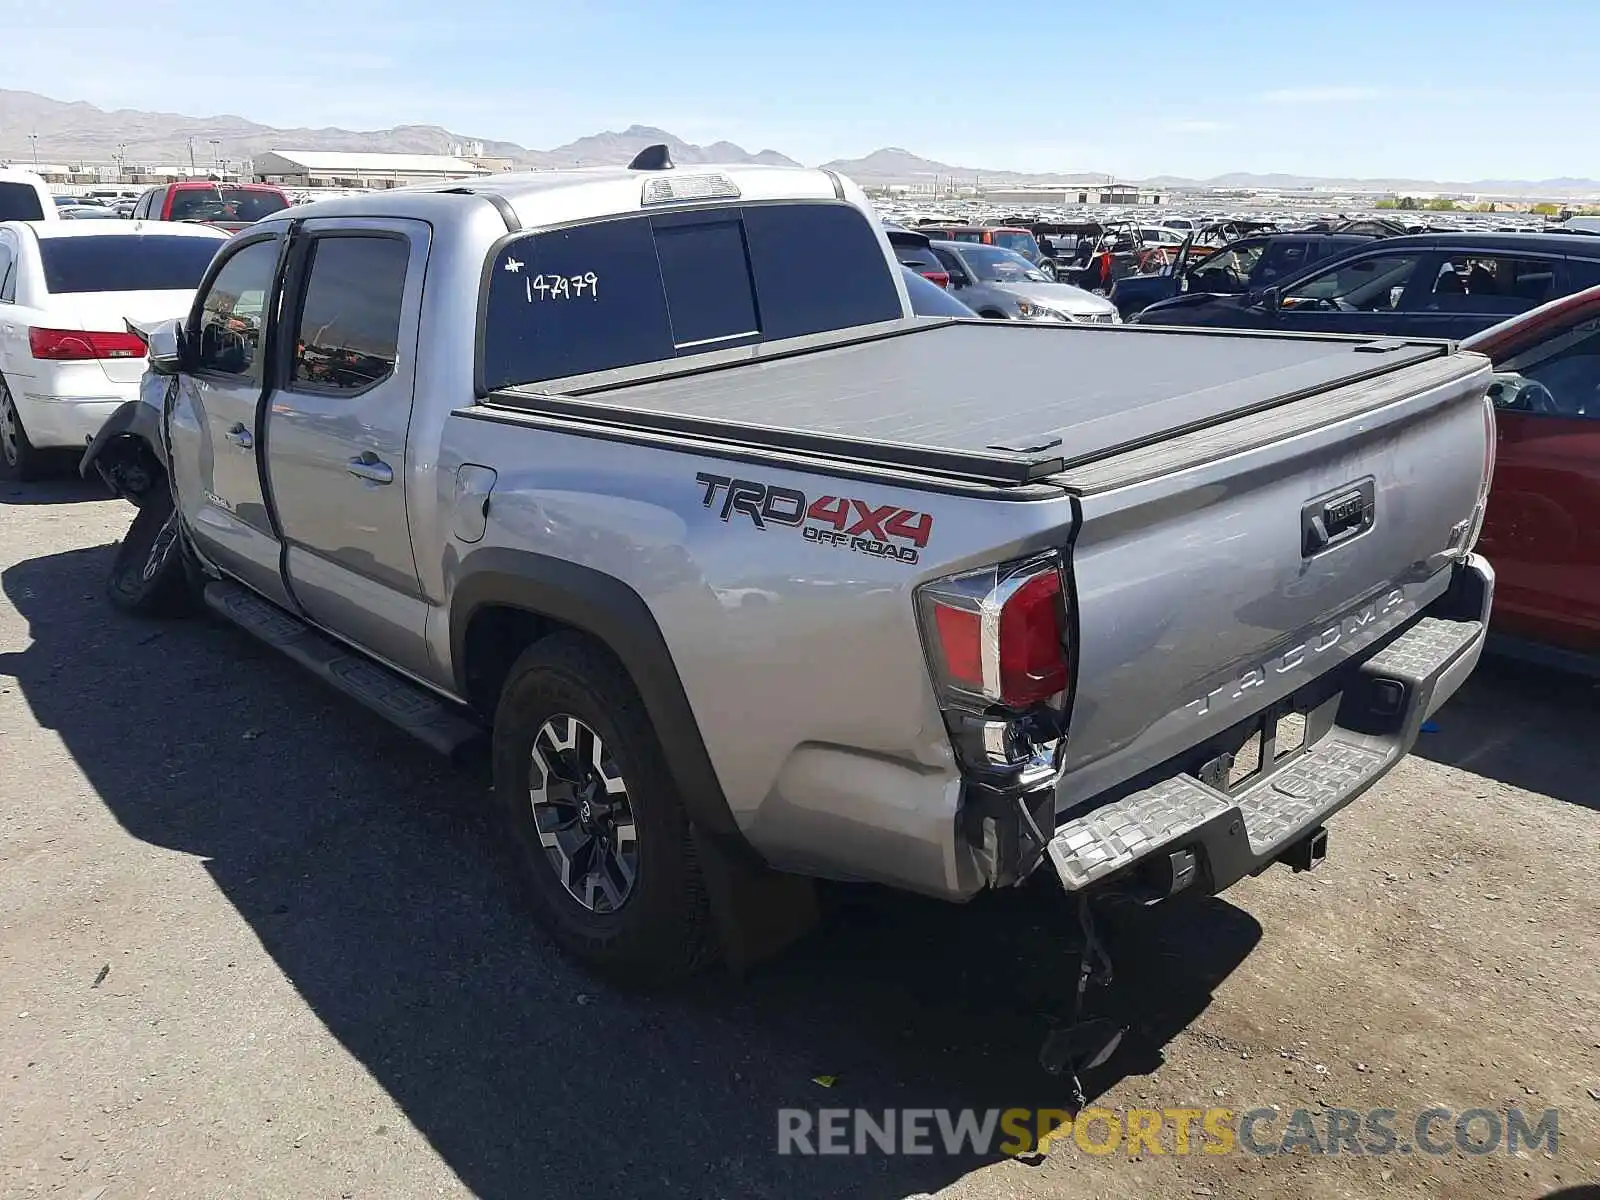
[999, 402]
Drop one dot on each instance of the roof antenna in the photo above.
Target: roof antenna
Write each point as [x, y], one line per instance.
[652, 158]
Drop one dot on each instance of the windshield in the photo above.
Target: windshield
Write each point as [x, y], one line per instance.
[224, 203]
[132, 263]
[994, 265]
[1017, 240]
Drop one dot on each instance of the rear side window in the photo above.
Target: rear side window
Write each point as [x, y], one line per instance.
[1022, 243]
[19, 202]
[818, 267]
[349, 330]
[125, 263]
[651, 288]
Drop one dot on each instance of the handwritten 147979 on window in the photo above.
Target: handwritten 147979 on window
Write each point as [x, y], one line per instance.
[555, 287]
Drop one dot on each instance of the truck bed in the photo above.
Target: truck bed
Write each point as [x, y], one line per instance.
[995, 402]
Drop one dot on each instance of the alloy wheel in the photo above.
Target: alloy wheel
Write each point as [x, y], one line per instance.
[583, 814]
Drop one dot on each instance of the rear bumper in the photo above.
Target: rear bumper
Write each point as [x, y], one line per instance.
[55, 420]
[1183, 832]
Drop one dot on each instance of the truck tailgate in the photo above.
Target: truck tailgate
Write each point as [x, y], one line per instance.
[1222, 572]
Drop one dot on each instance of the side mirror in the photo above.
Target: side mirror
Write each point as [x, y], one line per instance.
[164, 343]
[1270, 298]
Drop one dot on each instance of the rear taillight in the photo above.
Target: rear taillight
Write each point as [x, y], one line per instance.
[79, 345]
[998, 637]
[942, 278]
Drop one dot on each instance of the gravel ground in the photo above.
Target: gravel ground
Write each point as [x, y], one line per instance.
[253, 943]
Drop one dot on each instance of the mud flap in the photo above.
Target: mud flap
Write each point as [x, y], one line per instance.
[759, 912]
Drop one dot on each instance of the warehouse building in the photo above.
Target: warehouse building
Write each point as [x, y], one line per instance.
[341, 169]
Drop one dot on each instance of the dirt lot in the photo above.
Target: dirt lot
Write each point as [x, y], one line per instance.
[253, 943]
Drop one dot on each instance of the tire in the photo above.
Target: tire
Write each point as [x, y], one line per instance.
[643, 926]
[20, 460]
[151, 575]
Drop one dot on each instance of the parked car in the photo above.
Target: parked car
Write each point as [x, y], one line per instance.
[67, 289]
[915, 250]
[1445, 285]
[1007, 237]
[1235, 269]
[1000, 284]
[86, 212]
[25, 196]
[749, 575]
[1542, 525]
[930, 299]
[230, 206]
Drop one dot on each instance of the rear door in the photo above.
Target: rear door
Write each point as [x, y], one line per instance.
[215, 423]
[337, 431]
[1541, 531]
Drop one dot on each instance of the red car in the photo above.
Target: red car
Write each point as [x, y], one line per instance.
[1542, 530]
[231, 206]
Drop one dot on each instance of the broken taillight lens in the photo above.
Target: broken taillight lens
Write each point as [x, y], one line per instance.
[998, 636]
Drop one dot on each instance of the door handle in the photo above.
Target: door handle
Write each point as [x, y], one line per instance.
[240, 436]
[370, 467]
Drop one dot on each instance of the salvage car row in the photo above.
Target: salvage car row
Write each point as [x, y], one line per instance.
[577, 464]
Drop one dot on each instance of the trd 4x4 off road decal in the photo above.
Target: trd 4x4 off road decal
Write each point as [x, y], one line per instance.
[883, 531]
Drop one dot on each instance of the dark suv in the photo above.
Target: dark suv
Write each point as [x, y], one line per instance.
[1234, 269]
[1444, 285]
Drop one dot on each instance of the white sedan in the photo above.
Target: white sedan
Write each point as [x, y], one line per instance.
[66, 290]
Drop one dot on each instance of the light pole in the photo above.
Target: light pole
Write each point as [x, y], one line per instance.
[34, 138]
[192, 170]
[122, 150]
[215, 142]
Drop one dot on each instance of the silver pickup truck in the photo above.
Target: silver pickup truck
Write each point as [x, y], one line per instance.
[649, 479]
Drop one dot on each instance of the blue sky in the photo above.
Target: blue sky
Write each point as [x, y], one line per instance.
[1419, 88]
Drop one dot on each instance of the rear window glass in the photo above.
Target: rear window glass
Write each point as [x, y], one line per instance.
[19, 202]
[131, 263]
[650, 288]
[224, 204]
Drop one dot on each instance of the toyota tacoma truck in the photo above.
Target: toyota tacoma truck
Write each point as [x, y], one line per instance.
[648, 481]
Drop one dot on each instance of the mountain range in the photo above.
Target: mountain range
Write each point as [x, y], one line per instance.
[71, 132]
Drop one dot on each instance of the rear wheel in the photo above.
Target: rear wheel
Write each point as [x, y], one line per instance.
[595, 821]
[151, 575]
[19, 459]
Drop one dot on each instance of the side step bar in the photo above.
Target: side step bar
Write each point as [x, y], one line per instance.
[407, 705]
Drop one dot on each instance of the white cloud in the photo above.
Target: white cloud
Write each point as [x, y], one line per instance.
[1197, 126]
[1325, 95]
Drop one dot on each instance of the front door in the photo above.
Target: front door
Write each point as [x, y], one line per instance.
[214, 427]
[1357, 295]
[337, 431]
[1541, 531]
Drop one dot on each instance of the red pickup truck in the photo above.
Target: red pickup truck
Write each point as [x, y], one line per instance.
[230, 206]
[1540, 530]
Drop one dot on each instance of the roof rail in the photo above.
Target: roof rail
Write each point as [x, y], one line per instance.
[501, 204]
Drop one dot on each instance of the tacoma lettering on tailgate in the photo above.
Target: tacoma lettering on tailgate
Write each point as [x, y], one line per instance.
[1298, 655]
[883, 531]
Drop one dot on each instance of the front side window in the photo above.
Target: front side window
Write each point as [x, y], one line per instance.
[233, 313]
[1374, 283]
[1558, 378]
[348, 334]
[1021, 243]
[1279, 260]
[1228, 270]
